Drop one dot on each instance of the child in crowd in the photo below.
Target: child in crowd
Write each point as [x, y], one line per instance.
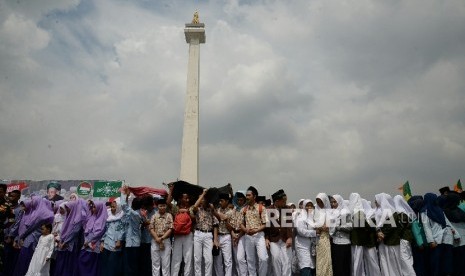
[40, 263]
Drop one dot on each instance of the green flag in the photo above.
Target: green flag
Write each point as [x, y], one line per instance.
[458, 186]
[406, 192]
[107, 188]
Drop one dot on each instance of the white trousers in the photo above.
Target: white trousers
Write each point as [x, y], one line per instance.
[183, 246]
[161, 258]
[203, 245]
[370, 260]
[406, 259]
[389, 259]
[224, 256]
[255, 246]
[357, 261]
[281, 257]
[239, 257]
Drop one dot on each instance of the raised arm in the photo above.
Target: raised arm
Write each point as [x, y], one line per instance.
[169, 198]
[199, 200]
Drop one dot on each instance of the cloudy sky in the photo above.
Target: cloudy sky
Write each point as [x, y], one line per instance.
[312, 96]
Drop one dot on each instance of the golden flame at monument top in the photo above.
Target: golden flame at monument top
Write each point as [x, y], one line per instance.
[195, 20]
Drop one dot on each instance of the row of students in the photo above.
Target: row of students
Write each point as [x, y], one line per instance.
[439, 234]
[330, 237]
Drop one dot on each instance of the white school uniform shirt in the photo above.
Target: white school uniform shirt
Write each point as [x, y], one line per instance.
[304, 226]
[460, 227]
[340, 232]
[306, 235]
[435, 233]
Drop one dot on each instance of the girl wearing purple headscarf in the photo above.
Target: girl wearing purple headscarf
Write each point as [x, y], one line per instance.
[37, 211]
[93, 233]
[70, 237]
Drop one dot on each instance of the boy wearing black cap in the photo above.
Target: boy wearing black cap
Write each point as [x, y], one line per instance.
[255, 220]
[279, 237]
[444, 190]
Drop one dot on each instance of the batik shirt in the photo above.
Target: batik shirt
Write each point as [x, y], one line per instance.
[222, 228]
[161, 223]
[236, 219]
[205, 220]
[253, 217]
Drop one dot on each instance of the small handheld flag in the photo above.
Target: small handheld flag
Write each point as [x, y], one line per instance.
[458, 187]
[406, 192]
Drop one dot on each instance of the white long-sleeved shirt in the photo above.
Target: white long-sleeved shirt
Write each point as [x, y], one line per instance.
[304, 226]
[341, 232]
[435, 233]
[460, 227]
[305, 238]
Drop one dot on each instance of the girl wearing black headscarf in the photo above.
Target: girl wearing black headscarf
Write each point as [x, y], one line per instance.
[440, 235]
[456, 216]
[420, 248]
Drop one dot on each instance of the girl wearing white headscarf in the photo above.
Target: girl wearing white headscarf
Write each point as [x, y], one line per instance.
[370, 252]
[58, 220]
[299, 208]
[388, 233]
[112, 241]
[323, 248]
[340, 233]
[300, 204]
[357, 234]
[407, 215]
[363, 238]
[305, 238]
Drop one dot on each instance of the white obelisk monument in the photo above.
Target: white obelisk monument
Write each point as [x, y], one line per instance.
[195, 35]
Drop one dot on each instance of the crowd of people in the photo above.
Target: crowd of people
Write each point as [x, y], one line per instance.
[237, 233]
